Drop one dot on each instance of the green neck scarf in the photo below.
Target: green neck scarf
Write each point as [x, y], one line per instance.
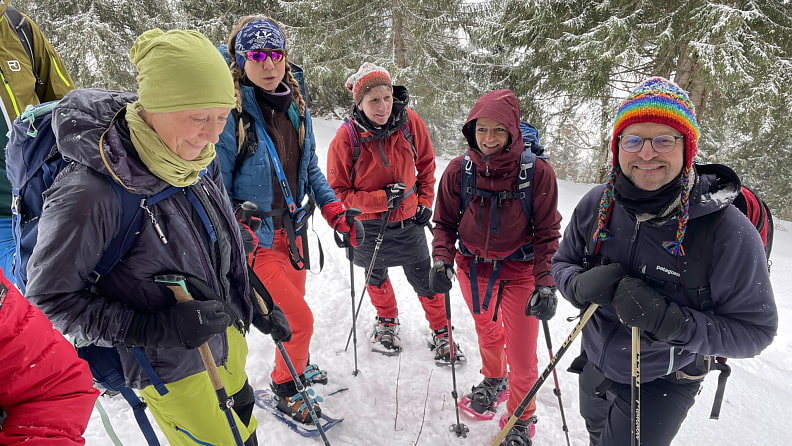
[159, 158]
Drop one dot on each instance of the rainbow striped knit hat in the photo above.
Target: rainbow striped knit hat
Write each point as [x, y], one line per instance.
[660, 101]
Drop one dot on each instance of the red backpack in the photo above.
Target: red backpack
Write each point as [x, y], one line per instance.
[759, 213]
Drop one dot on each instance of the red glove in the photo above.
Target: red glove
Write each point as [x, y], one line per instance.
[338, 219]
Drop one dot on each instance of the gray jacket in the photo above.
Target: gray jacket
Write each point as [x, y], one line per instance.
[81, 216]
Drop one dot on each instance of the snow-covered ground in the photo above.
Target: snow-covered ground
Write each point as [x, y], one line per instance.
[406, 400]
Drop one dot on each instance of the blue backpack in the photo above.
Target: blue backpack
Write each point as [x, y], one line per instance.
[523, 192]
[32, 164]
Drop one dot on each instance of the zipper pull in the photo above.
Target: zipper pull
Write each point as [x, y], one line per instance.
[154, 222]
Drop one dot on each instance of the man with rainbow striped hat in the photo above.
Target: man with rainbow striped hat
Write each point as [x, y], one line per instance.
[625, 250]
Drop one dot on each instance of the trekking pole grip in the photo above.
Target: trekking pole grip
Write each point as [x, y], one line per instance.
[181, 295]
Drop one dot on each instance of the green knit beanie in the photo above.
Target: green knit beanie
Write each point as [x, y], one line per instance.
[180, 70]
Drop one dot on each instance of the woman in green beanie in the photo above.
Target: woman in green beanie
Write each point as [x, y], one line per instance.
[161, 141]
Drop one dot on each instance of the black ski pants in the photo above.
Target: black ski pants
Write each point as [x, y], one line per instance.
[605, 406]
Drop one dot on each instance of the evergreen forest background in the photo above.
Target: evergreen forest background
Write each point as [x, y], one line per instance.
[569, 61]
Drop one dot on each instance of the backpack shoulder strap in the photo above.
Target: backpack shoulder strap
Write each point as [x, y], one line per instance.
[468, 183]
[694, 266]
[525, 182]
[132, 217]
[405, 130]
[354, 140]
[22, 28]
[250, 144]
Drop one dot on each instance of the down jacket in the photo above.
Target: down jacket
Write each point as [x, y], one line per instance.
[81, 216]
[254, 179]
[497, 172]
[745, 318]
[47, 392]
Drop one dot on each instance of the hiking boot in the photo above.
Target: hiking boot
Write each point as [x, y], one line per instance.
[295, 407]
[521, 433]
[484, 395]
[314, 375]
[442, 347]
[386, 335]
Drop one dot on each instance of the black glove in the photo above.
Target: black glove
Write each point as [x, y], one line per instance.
[422, 215]
[249, 239]
[186, 324]
[596, 285]
[638, 305]
[440, 277]
[244, 213]
[395, 194]
[542, 304]
[274, 324]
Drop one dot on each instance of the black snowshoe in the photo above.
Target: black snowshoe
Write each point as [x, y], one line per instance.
[521, 433]
[386, 336]
[442, 348]
[485, 396]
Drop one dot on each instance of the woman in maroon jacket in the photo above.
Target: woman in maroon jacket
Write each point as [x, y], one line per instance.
[46, 391]
[503, 253]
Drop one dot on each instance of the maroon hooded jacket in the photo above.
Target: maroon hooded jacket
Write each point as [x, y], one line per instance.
[497, 172]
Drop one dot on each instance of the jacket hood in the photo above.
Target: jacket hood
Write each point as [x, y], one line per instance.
[501, 106]
[89, 126]
[716, 187]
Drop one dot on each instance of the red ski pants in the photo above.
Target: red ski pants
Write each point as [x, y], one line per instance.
[287, 287]
[514, 330]
[384, 300]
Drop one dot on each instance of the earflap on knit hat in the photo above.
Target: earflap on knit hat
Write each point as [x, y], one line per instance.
[257, 35]
[367, 77]
[660, 101]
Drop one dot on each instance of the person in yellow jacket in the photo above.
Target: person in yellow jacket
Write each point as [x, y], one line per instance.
[26, 80]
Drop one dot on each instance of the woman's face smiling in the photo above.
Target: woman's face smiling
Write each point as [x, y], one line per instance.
[377, 104]
[187, 132]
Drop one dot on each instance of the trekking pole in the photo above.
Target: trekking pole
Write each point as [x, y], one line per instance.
[557, 389]
[459, 429]
[351, 254]
[584, 318]
[377, 246]
[177, 284]
[265, 303]
[635, 389]
[351, 214]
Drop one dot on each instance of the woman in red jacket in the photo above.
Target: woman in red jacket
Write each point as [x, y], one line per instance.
[46, 391]
[382, 162]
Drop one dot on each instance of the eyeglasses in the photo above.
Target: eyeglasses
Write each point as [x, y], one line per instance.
[660, 144]
[277, 56]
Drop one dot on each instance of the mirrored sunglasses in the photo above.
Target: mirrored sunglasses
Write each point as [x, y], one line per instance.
[277, 56]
